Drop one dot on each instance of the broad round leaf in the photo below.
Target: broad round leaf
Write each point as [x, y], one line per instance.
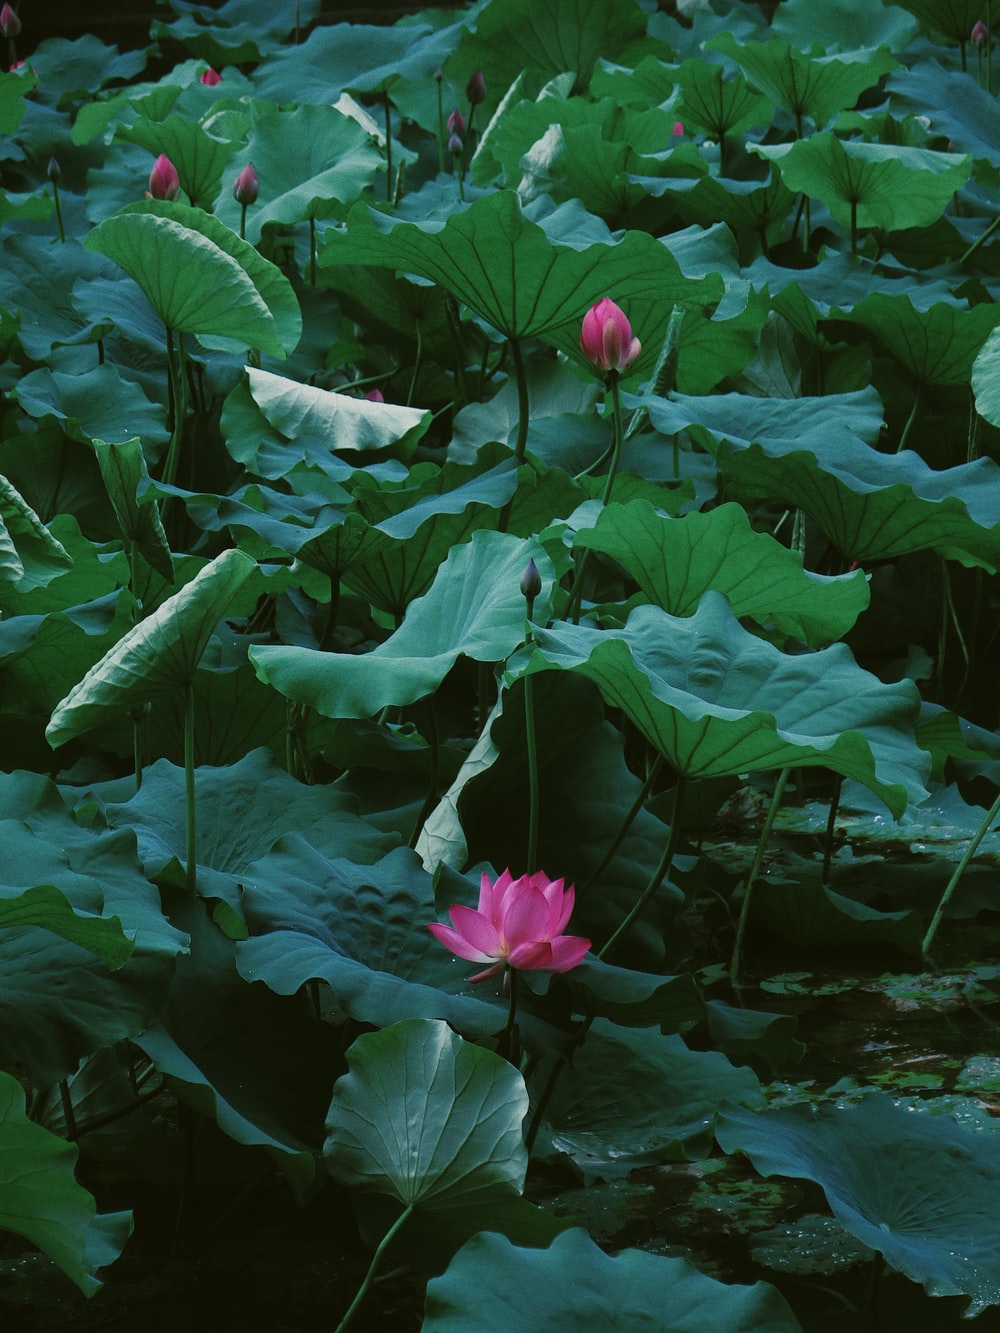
[427, 1118]
[159, 655]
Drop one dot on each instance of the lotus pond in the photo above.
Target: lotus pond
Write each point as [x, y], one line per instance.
[529, 471]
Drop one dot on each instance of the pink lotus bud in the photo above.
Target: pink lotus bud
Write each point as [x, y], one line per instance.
[531, 581]
[164, 183]
[455, 146]
[980, 34]
[606, 337]
[375, 396]
[10, 24]
[211, 77]
[456, 122]
[475, 89]
[678, 127]
[246, 186]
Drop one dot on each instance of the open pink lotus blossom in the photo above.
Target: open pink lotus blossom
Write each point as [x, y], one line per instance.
[606, 337]
[164, 183]
[517, 924]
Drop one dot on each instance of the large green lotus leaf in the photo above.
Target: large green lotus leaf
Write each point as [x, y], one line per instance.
[937, 345]
[246, 30]
[244, 809]
[159, 655]
[392, 307]
[890, 187]
[564, 36]
[30, 557]
[247, 1057]
[302, 413]
[507, 269]
[758, 208]
[123, 468]
[717, 700]
[98, 405]
[813, 919]
[473, 608]
[586, 790]
[357, 57]
[805, 85]
[635, 1097]
[200, 277]
[843, 24]
[675, 560]
[75, 70]
[39, 284]
[362, 930]
[426, 1117]
[311, 162]
[200, 157]
[633, 999]
[574, 1285]
[951, 19]
[44, 906]
[715, 105]
[872, 506]
[14, 91]
[986, 379]
[42, 1201]
[955, 105]
[918, 1188]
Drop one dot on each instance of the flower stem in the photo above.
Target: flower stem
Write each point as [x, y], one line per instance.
[523, 406]
[388, 149]
[509, 1046]
[659, 874]
[383, 1245]
[626, 824]
[952, 884]
[440, 129]
[59, 216]
[765, 833]
[190, 852]
[617, 440]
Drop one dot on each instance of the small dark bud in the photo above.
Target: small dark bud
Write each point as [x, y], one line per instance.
[475, 89]
[53, 170]
[531, 581]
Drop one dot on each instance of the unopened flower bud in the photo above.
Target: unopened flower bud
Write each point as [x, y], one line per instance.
[211, 77]
[10, 24]
[438, 74]
[456, 122]
[164, 183]
[455, 146]
[531, 581]
[678, 128]
[375, 396]
[475, 89]
[606, 337]
[246, 186]
[53, 170]
[980, 34]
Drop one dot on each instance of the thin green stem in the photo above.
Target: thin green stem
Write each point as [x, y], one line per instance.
[440, 129]
[388, 149]
[383, 1245]
[312, 252]
[418, 359]
[660, 873]
[758, 859]
[434, 780]
[59, 216]
[190, 827]
[979, 240]
[960, 869]
[625, 825]
[910, 419]
[532, 753]
[617, 440]
[243, 222]
[67, 1105]
[831, 827]
[854, 226]
[523, 407]
[509, 1045]
[178, 405]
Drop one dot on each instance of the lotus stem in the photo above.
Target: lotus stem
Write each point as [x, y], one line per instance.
[617, 440]
[523, 406]
[388, 150]
[430, 800]
[626, 824]
[383, 1245]
[960, 869]
[979, 240]
[69, 1114]
[758, 858]
[660, 873]
[532, 753]
[440, 128]
[59, 216]
[910, 419]
[509, 1045]
[178, 404]
[831, 824]
[312, 251]
[190, 850]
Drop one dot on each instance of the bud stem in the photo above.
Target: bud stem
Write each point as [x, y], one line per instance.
[59, 216]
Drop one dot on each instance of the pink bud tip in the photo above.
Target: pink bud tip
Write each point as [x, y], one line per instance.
[456, 122]
[164, 183]
[455, 146]
[211, 77]
[10, 24]
[678, 127]
[606, 337]
[475, 89]
[246, 186]
[375, 396]
[980, 34]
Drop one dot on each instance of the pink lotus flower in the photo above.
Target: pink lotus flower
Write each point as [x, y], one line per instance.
[475, 89]
[164, 183]
[980, 34]
[211, 77]
[678, 127]
[10, 24]
[517, 924]
[246, 186]
[455, 146]
[606, 337]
